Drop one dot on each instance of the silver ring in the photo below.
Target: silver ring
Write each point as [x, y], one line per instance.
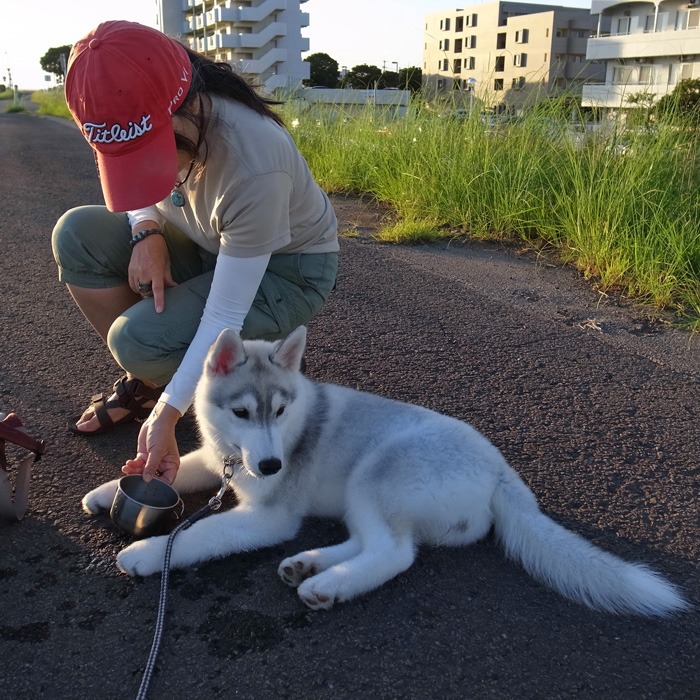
[145, 287]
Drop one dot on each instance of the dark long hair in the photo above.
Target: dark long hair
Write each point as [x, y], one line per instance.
[216, 78]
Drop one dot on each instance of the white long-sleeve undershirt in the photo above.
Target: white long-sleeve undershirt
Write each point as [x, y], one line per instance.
[146, 214]
[233, 289]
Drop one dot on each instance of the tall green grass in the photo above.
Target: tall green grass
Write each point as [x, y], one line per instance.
[620, 204]
[52, 101]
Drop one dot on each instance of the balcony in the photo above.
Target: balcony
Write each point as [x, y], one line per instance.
[245, 14]
[263, 64]
[647, 44]
[615, 96]
[246, 40]
[670, 43]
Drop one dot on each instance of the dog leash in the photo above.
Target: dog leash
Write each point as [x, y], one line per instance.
[213, 505]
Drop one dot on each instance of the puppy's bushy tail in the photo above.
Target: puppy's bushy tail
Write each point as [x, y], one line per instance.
[573, 566]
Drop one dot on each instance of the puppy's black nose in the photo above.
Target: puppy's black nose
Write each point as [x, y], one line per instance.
[270, 466]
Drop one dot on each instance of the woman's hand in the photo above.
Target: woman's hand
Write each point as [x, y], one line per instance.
[150, 264]
[157, 452]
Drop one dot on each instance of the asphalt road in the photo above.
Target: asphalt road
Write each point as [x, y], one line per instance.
[595, 404]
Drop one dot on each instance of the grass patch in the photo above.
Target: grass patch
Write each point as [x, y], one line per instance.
[15, 108]
[619, 203]
[52, 102]
[411, 231]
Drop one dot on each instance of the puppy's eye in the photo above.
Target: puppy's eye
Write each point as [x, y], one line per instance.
[241, 413]
[280, 411]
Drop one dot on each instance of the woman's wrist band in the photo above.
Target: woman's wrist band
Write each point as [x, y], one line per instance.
[137, 237]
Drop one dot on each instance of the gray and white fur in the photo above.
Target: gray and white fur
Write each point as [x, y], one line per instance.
[398, 475]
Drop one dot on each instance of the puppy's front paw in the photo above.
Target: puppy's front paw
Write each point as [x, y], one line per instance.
[100, 499]
[323, 591]
[294, 570]
[316, 597]
[144, 557]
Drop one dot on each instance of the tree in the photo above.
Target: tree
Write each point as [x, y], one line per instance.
[682, 105]
[411, 79]
[388, 79]
[362, 77]
[640, 114]
[51, 60]
[323, 70]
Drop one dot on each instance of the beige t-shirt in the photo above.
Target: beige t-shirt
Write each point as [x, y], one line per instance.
[256, 194]
[255, 197]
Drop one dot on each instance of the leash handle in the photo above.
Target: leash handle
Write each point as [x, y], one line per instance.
[11, 430]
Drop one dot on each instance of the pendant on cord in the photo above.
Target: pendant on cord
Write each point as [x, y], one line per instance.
[177, 198]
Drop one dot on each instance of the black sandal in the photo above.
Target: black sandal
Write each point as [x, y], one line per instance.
[132, 394]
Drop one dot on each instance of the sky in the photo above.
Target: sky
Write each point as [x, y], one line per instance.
[384, 33]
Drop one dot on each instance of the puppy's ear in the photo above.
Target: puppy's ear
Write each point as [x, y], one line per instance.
[289, 351]
[226, 352]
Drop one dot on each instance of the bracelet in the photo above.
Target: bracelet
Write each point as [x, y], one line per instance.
[137, 237]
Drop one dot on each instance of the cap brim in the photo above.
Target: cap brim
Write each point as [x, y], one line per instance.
[142, 177]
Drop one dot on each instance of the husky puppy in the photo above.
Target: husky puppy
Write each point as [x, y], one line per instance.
[398, 475]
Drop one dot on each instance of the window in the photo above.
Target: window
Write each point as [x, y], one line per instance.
[470, 20]
[470, 63]
[686, 71]
[562, 33]
[458, 46]
[693, 19]
[446, 44]
[646, 75]
[445, 24]
[445, 64]
[622, 75]
[521, 36]
[500, 41]
[649, 23]
[518, 83]
[459, 24]
[520, 60]
[472, 42]
[622, 25]
[500, 64]
[457, 65]
[498, 84]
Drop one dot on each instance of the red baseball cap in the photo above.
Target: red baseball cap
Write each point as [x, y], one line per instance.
[124, 82]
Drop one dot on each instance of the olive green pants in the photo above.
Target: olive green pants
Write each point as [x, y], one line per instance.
[91, 248]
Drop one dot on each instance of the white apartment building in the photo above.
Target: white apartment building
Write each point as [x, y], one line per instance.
[261, 39]
[507, 54]
[649, 48]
